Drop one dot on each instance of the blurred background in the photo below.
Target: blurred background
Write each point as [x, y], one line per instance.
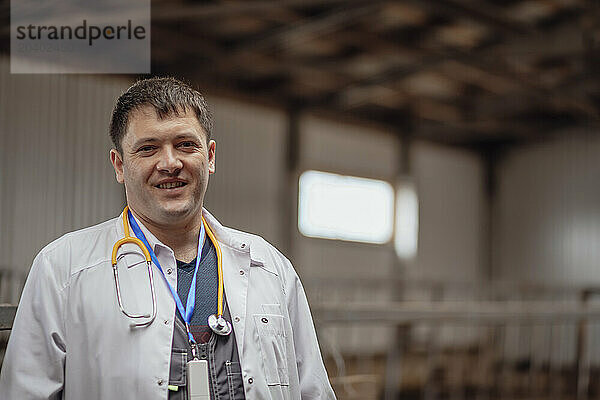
[430, 167]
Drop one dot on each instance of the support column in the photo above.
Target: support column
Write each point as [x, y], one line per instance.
[400, 336]
[289, 187]
[487, 258]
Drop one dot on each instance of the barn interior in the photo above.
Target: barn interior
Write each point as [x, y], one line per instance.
[480, 120]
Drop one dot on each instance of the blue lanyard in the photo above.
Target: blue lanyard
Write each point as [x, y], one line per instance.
[186, 313]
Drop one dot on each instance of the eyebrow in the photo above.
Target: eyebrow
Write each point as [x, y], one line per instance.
[187, 136]
[141, 141]
[145, 140]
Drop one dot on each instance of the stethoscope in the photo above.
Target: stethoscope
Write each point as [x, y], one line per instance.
[216, 322]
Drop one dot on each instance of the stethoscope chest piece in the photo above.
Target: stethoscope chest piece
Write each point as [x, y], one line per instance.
[219, 325]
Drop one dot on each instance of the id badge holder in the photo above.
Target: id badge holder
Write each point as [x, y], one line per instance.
[197, 380]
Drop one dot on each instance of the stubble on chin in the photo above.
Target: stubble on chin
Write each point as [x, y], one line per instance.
[176, 215]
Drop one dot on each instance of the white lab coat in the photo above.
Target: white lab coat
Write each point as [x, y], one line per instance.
[70, 341]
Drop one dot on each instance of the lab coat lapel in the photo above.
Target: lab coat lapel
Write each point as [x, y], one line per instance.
[235, 254]
[236, 267]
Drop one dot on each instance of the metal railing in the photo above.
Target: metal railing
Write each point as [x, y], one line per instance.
[11, 285]
[498, 341]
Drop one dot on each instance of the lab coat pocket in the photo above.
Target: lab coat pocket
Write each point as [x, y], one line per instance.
[134, 282]
[131, 257]
[272, 339]
[177, 370]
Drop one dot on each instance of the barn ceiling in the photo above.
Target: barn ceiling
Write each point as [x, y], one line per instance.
[463, 72]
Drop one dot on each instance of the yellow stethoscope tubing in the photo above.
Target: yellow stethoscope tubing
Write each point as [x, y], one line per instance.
[132, 240]
[219, 267]
[140, 244]
[128, 239]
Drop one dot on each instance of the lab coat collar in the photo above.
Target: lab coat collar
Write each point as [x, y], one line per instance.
[154, 243]
[225, 236]
[235, 239]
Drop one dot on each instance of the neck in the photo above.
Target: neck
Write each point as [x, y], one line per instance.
[181, 238]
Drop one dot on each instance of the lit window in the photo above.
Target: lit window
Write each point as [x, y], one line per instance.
[407, 221]
[345, 207]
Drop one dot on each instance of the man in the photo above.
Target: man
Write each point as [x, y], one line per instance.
[70, 340]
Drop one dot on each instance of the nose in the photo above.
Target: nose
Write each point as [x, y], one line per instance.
[169, 161]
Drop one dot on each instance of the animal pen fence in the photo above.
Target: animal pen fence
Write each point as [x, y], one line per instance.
[421, 340]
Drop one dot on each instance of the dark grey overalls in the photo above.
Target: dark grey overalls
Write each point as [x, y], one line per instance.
[225, 376]
[223, 363]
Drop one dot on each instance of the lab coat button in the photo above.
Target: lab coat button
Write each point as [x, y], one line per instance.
[237, 319]
[264, 320]
[160, 382]
[169, 271]
[241, 272]
[243, 245]
[250, 381]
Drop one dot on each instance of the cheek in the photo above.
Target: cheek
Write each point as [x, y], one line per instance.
[202, 175]
[136, 174]
[141, 169]
[199, 168]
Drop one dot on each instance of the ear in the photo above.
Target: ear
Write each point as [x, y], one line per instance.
[117, 163]
[212, 152]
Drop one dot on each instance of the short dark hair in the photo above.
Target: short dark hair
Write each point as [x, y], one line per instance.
[168, 96]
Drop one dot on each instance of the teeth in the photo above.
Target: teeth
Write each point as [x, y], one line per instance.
[170, 185]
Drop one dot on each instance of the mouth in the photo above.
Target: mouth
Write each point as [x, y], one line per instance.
[170, 185]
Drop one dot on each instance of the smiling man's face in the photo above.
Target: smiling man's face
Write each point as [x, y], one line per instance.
[165, 166]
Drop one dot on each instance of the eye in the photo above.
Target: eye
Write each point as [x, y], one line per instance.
[188, 145]
[146, 149]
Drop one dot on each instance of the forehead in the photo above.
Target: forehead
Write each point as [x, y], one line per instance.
[145, 123]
